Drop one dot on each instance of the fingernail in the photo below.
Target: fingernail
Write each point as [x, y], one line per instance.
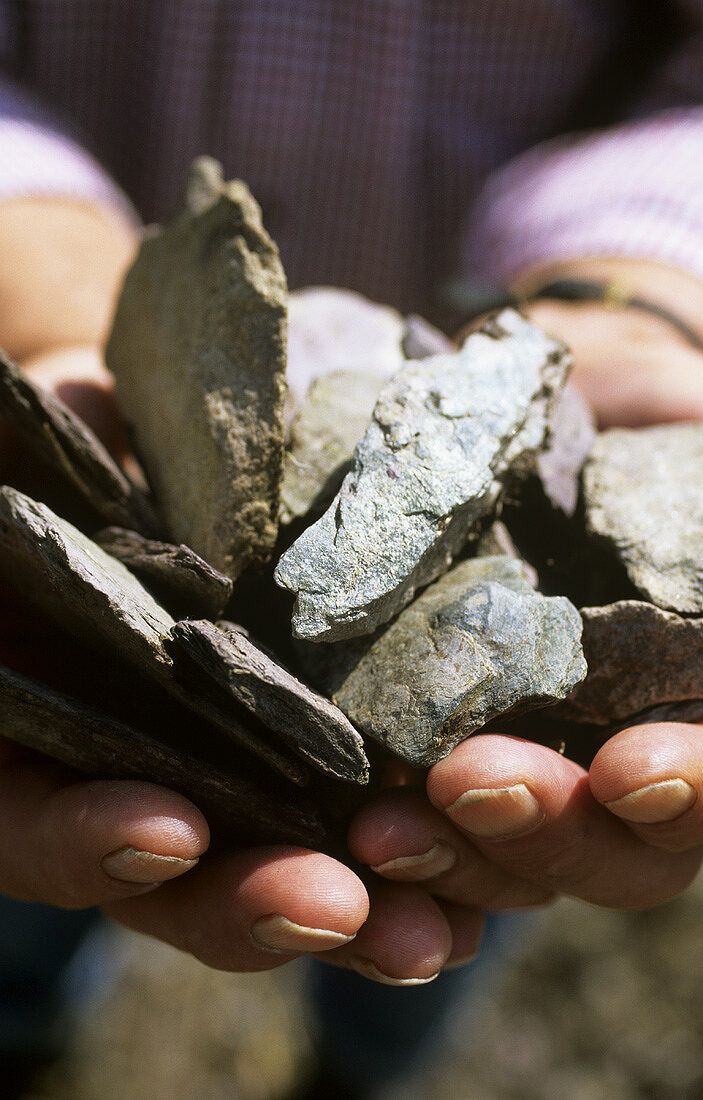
[277, 933]
[440, 857]
[497, 813]
[369, 969]
[657, 802]
[132, 865]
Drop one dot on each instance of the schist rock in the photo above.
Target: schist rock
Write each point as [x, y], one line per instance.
[198, 350]
[478, 643]
[496, 540]
[324, 432]
[638, 657]
[316, 728]
[572, 434]
[183, 579]
[61, 439]
[643, 501]
[332, 330]
[444, 434]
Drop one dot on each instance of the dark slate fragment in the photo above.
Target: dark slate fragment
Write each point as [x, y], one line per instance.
[184, 579]
[97, 598]
[638, 657]
[93, 741]
[478, 643]
[313, 726]
[643, 501]
[60, 438]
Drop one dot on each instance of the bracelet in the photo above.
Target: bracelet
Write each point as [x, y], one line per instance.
[613, 294]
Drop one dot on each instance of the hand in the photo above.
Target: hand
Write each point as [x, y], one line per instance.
[503, 823]
[139, 850]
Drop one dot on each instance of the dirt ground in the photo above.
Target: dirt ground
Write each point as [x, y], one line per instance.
[603, 1007]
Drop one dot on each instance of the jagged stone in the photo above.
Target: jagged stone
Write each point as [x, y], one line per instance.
[643, 500]
[478, 643]
[572, 433]
[198, 350]
[638, 657]
[316, 728]
[496, 540]
[323, 435]
[332, 330]
[443, 435]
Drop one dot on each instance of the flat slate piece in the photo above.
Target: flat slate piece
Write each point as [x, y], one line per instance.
[317, 729]
[572, 434]
[444, 432]
[93, 741]
[478, 643]
[198, 351]
[331, 330]
[178, 570]
[324, 432]
[638, 657]
[68, 445]
[643, 499]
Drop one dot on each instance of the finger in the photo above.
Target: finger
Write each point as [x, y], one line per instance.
[405, 839]
[466, 925]
[405, 941]
[531, 812]
[253, 910]
[76, 844]
[651, 777]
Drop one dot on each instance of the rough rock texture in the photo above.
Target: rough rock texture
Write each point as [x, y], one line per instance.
[638, 657]
[478, 643]
[323, 435]
[572, 433]
[497, 540]
[198, 350]
[643, 500]
[319, 732]
[444, 432]
[183, 579]
[58, 436]
[331, 330]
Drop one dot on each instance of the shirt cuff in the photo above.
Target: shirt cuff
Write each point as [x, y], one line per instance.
[37, 161]
[633, 191]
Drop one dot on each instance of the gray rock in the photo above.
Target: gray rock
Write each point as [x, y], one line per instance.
[444, 433]
[323, 435]
[314, 727]
[198, 350]
[643, 499]
[638, 657]
[478, 643]
[496, 540]
[572, 434]
[332, 330]
[421, 339]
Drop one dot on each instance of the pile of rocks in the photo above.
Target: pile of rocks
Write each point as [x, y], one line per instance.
[384, 480]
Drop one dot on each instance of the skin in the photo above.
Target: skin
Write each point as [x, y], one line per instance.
[136, 848]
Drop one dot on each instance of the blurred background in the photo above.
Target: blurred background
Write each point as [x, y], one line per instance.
[604, 1005]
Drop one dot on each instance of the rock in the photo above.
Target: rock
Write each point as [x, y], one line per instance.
[478, 643]
[184, 581]
[55, 434]
[444, 434]
[496, 540]
[316, 729]
[198, 350]
[95, 742]
[643, 500]
[572, 434]
[638, 657]
[323, 435]
[421, 339]
[332, 330]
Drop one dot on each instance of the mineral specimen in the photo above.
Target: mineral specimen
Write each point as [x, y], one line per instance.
[198, 350]
[643, 499]
[444, 434]
[572, 433]
[478, 643]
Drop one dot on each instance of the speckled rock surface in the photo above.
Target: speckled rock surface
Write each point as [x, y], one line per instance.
[478, 643]
[643, 498]
[443, 435]
[198, 350]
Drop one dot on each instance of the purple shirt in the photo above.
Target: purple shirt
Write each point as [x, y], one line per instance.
[391, 143]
